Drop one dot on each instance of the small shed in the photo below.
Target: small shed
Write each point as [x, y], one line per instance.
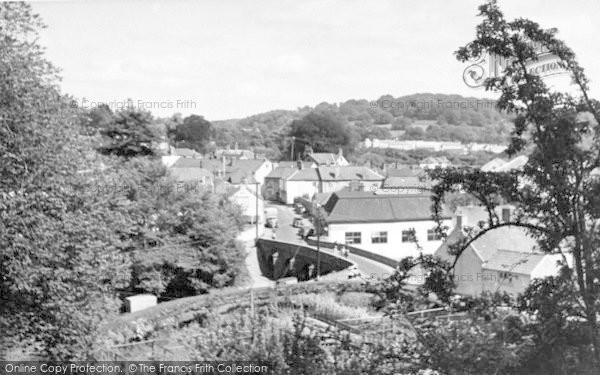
[139, 302]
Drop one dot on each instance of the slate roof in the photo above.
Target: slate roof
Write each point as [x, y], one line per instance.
[309, 174]
[401, 172]
[294, 164]
[249, 165]
[239, 176]
[514, 261]
[514, 164]
[493, 165]
[402, 181]
[348, 173]
[185, 152]
[323, 158]
[281, 172]
[187, 163]
[191, 174]
[509, 238]
[364, 207]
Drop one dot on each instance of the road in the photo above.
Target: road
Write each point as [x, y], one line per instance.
[370, 269]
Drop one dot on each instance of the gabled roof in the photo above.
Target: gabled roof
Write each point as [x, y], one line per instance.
[242, 190]
[363, 207]
[190, 174]
[348, 173]
[187, 163]
[401, 172]
[185, 152]
[309, 174]
[515, 164]
[239, 176]
[402, 181]
[325, 158]
[248, 154]
[508, 238]
[493, 165]
[514, 261]
[281, 172]
[294, 164]
[249, 165]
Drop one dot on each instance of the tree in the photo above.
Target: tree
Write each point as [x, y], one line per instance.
[131, 133]
[59, 249]
[195, 132]
[323, 131]
[557, 192]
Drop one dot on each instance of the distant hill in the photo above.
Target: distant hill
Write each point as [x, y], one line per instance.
[422, 116]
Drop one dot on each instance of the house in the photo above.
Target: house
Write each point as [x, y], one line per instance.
[248, 201]
[286, 183]
[431, 162]
[405, 185]
[184, 153]
[299, 183]
[294, 164]
[398, 170]
[325, 158]
[190, 172]
[493, 165]
[384, 224]
[515, 164]
[338, 177]
[505, 259]
[236, 153]
[274, 181]
[256, 169]
[238, 171]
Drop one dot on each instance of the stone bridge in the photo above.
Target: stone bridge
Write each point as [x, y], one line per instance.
[279, 259]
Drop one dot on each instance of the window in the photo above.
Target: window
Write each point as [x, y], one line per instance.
[507, 276]
[353, 237]
[407, 235]
[379, 237]
[432, 235]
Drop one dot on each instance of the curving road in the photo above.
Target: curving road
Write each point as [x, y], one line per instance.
[370, 269]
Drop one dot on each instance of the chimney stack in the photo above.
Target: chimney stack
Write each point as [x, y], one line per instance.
[506, 214]
[459, 221]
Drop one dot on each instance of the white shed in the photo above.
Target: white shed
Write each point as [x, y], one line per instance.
[139, 302]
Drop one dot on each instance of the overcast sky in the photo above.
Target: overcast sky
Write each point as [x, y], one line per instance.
[237, 58]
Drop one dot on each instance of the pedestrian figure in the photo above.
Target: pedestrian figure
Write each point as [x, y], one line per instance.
[335, 248]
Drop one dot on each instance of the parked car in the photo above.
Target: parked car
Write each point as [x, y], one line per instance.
[297, 223]
[272, 222]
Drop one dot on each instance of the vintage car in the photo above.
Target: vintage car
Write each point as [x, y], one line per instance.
[297, 223]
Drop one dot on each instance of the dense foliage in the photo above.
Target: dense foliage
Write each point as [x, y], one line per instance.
[78, 227]
[556, 193]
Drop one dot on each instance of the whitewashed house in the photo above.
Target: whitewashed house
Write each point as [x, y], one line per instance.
[247, 199]
[505, 259]
[383, 224]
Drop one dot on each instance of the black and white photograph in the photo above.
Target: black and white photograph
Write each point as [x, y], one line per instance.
[287, 187]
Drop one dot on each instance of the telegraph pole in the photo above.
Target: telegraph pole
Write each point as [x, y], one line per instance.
[256, 219]
[317, 216]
